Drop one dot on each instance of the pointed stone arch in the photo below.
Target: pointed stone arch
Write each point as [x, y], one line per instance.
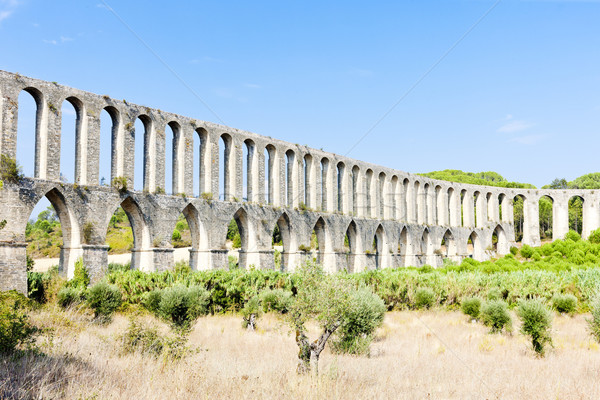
[199, 257]
[501, 245]
[354, 247]
[475, 248]
[288, 256]
[247, 238]
[381, 248]
[449, 245]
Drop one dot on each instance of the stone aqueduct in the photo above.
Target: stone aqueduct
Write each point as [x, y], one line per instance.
[300, 189]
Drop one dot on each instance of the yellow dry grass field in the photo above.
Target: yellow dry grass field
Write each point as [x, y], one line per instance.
[417, 355]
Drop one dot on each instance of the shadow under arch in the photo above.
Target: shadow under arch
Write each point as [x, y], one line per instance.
[141, 254]
[247, 238]
[354, 247]
[288, 241]
[381, 247]
[426, 248]
[403, 247]
[476, 250]
[448, 245]
[199, 237]
[323, 241]
[502, 246]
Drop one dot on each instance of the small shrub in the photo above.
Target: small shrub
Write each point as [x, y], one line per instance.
[104, 299]
[151, 300]
[514, 250]
[277, 300]
[471, 306]
[494, 313]
[574, 236]
[537, 321]
[250, 313]
[526, 251]
[138, 337]
[10, 170]
[365, 314]
[494, 293]
[147, 340]
[182, 305]
[237, 241]
[81, 279]
[564, 303]
[120, 183]
[424, 298]
[594, 322]
[70, 296]
[16, 331]
[176, 236]
[594, 236]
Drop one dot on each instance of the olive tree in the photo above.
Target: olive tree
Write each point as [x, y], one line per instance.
[331, 301]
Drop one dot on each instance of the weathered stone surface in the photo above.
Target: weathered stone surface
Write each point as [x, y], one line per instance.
[300, 189]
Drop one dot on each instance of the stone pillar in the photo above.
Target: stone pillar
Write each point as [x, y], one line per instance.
[281, 176]
[591, 216]
[468, 210]
[421, 205]
[238, 171]
[95, 259]
[187, 153]
[411, 203]
[507, 210]
[163, 258]
[13, 266]
[429, 201]
[50, 125]
[454, 208]
[531, 222]
[481, 210]
[267, 259]
[442, 208]
[200, 260]
[560, 217]
[218, 259]
[261, 178]
[128, 154]
[493, 209]
[360, 194]
[91, 127]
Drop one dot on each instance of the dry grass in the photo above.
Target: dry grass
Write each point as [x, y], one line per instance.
[434, 355]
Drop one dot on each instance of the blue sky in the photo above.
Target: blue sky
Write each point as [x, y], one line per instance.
[520, 94]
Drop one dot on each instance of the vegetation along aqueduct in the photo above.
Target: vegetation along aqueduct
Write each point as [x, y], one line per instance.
[388, 218]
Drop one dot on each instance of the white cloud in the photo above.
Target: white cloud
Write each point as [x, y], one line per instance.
[528, 139]
[7, 8]
[54, 42]
[66, 39]
[514, 126]
[252, 86]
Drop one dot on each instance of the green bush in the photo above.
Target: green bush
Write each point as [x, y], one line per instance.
[250, 312]
[564, 303]
[278, 300]
[10, 170]
[104, 299]
[70, 296]
[151, 300]
[182, 305]
[16, 331]
[572, 235]
[471, 306]
[536, 323]
[147, 340]
[494, 293]
[514, 250]
[81, 279]
[424, 298]
[494, 313]
[526, 251]
[176, 236]
[365, 314]
[594, 322]
[594, 236]
[35, 286]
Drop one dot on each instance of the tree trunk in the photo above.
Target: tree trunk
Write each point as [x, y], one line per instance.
[251, 322]
[308, 356]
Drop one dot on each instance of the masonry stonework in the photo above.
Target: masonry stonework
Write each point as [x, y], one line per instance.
[365, 216]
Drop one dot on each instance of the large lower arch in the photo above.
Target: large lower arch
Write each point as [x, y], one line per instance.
[501, 245]
[71, 249]
[248, 250]
[288, 260]
[448, 246]
[353, 247]
[403, 248]
[323, 244]
[475, 247]
[141, 254]
[381, 248]
[199, 255]
[426, 250]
